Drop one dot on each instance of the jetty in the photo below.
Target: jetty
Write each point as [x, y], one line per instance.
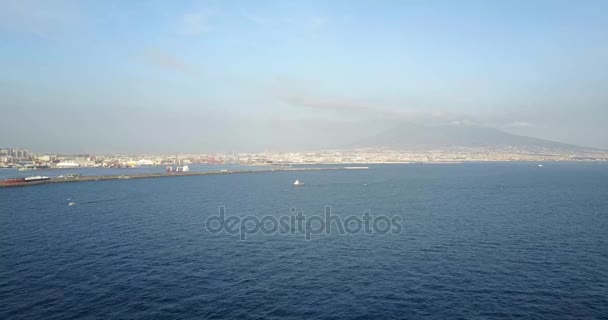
[71, 179]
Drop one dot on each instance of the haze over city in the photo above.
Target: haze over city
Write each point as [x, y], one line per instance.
[224, 76]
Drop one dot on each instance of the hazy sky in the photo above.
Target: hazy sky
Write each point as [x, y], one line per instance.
[166, 76]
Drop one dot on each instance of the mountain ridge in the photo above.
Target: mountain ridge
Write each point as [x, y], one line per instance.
[415, 136]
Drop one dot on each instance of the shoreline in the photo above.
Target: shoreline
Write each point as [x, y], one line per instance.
[153, 175]
[339, 166]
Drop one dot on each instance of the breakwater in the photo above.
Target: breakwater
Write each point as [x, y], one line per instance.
[152, 175]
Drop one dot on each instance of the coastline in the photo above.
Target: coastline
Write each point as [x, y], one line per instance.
[155, 175]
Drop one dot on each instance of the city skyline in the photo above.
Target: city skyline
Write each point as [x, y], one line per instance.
[26, 160]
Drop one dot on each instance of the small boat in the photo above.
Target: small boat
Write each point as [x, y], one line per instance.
[22, 181]
[14, 180]
[540, 165]
[178, 169]
[36, 178]
[298, 183]
[70, 176]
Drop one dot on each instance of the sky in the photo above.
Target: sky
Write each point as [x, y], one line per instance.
[222, 76]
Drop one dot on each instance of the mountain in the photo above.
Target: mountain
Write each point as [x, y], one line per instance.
[414, 136]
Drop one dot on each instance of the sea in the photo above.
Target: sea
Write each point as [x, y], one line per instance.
[478, 241]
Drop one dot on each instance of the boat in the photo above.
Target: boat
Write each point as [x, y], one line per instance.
[540, 165]
[26, 168]
[178, 169]
[36, 178]
[14, 180]
[23, 181]
[356, 168]
[70, 176]
[298, 183]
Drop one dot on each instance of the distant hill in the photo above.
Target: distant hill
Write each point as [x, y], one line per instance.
[413, 136]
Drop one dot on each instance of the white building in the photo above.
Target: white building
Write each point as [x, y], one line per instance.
[67, 165]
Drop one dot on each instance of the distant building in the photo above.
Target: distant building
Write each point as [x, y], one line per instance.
[16, 153]
[67, 165]
[46, 158]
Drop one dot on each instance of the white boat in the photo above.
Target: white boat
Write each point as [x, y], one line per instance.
[298, 183]
[37, 178]
[178, 169]
[540, 165]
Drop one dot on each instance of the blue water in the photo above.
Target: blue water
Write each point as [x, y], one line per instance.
[479, 241]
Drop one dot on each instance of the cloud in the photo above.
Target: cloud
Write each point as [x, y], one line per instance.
[195, 23]
[518, 124]
[307, 95]
[328, 104]
[166, 61]
[256, 19]
[310, 22]
[366, 109]
[492, 123]
[400, 110]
